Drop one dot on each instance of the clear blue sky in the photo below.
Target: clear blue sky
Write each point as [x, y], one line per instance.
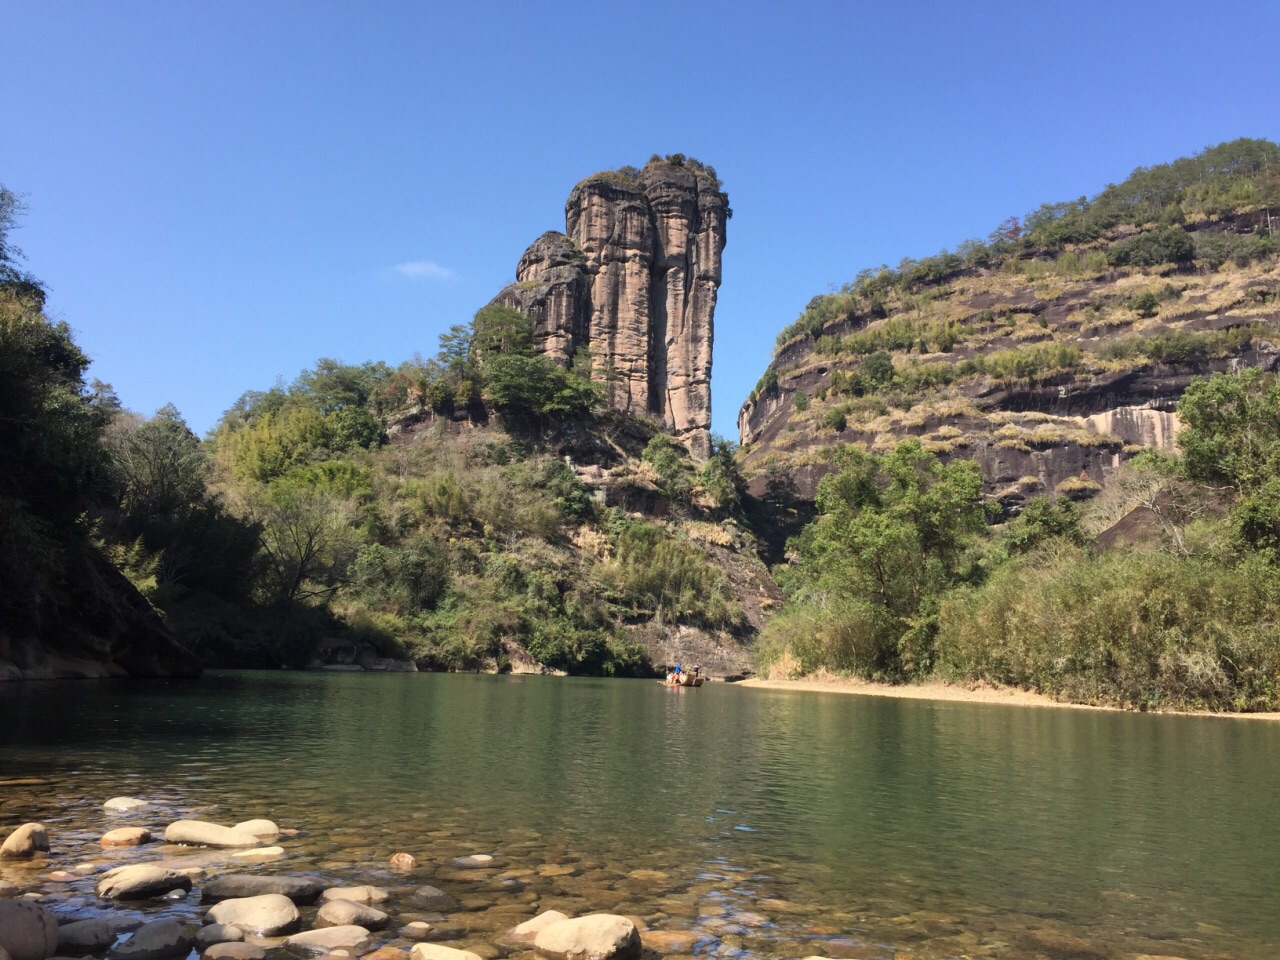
[221, 193]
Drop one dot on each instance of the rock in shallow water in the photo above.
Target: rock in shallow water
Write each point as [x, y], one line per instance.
[259, 854]
[234, 951]
[123, 804]
[8, 890]
[527, 931]
[300, 890]
[25, 842]
[199, 833]
[158, 940]
[268, 915]
[598, 936]
[347, 913]
[219, 933]
[259, 828]
[140, 882]
[317, 942]
[126, 837]
[434, 951]
[85, 936]
[361, 894]
[27, 930]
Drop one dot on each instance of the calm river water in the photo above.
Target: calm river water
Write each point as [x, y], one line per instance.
[736, 822]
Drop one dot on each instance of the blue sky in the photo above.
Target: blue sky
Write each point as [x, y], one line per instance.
[221, 193]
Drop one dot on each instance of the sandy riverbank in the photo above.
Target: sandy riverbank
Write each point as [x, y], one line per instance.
[938, 690]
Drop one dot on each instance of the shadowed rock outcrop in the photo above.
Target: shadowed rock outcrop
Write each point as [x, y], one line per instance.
[634, 280]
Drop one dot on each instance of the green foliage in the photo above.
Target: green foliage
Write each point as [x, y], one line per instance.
[1133, 629]
[720, 477]
[1231, 437]
[656, 574]
[1043, 520]
[801, 401]
[891, 536]
[1179, 346]
[1153, 248]
[537, 386]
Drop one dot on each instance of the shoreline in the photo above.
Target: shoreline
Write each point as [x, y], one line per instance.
[942, 691]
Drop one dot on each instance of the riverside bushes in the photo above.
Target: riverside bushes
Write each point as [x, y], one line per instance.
[1134, 629]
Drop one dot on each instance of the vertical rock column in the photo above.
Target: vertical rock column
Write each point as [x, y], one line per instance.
[552, 288]
[609, 221]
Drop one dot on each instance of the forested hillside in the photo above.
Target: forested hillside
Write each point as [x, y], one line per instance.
[477, 510]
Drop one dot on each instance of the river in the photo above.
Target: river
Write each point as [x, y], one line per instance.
[754, 823]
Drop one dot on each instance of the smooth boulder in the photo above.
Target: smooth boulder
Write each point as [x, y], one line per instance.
[218, 933]
[348, 913]
[199, 833]
[25, 842]
[27, 930]
[300, 890]
[268, 915]
[259, 854]
[527, 931]
[430, 896]
[141, 882]
[598, 936]
[157, 940]
[259, 827]
[85, 936]
[317, 942]
[126, 837]
[123, 804]
[361, 894]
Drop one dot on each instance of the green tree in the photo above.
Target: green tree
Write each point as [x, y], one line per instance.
[891, 536]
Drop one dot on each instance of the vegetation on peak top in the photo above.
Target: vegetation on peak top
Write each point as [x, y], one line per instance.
[1157, 216]
[629, 176]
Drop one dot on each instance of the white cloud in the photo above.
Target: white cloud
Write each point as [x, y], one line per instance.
[424, 270]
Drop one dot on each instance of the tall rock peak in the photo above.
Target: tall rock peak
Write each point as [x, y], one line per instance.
[634, 279]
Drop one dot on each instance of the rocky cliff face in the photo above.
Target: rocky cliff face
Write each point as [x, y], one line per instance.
[634, 279]
[1064, 430]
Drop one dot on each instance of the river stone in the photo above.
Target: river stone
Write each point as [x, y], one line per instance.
[259, 828]
[234, 951]
[477, 861]
[316, 942]
[434, 951]
[27, 930]
[123, 804]
[598, 936]
[346, 913]
[403, 861]
[361, 894]
[417, 930]
[525, 932]
[387, 953]
[268, 915]
[259, 853]
[85, 936]
[140, 882]
[218, 933]
[198, 833]
[8, 890]
[157, 940]
[126, 837]
[432, 897]
[25, 842]
[300, 890]
[668, 942]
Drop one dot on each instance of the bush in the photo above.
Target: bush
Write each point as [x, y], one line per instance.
[1131, 629]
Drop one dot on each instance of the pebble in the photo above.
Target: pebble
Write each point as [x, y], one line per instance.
[260, 853]
[219, 933]
[328, 940]
[361, 894]
[346, 913]
[259, 828]
[403, 861]
[140, 882]
[158, 940]
[417, 930]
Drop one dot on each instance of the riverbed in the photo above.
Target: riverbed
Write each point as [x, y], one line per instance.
[730, 822]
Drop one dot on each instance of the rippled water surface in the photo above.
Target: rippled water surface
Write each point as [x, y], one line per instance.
[735, 822]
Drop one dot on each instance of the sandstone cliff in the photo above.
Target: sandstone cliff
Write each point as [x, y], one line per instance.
[633, 280]
[1048, 373]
